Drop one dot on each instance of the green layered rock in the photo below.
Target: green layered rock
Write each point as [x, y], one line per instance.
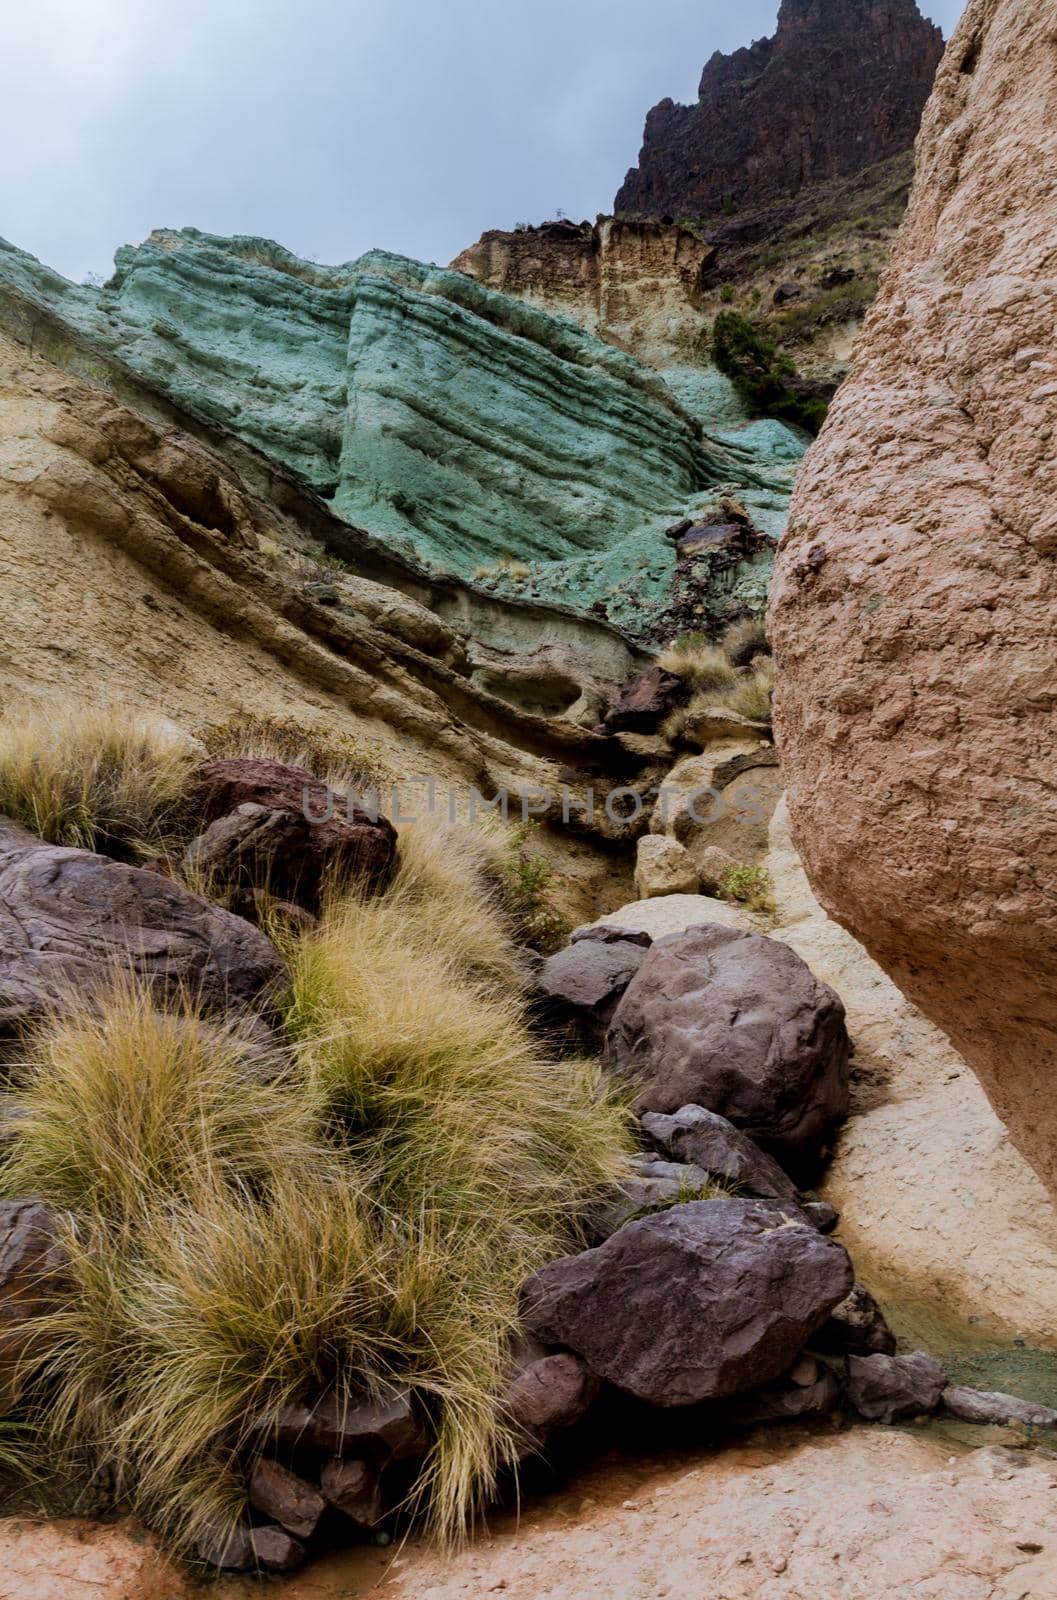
[474, 433]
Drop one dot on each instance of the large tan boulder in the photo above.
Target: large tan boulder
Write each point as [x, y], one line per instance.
[913, 610]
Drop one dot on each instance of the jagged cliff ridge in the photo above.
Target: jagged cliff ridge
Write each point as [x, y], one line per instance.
[794, 165]
[459, 426]
[840, 87]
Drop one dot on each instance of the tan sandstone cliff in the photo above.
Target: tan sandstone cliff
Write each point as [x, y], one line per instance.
[913, 613]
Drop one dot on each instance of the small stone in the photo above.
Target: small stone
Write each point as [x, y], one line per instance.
[229, 1550]
[713, 864]
[275, 1550]
[285, 1497]
[352, 1487]
[987, 1406]
[856, 1327]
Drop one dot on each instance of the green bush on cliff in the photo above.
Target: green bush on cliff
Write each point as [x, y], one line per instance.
[765, 379]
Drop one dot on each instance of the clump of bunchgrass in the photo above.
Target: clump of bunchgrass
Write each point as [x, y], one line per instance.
[702, 666]
[752, 694]
[97, 778]
[121, 1104]
[338, 759]
[484, 1151]
[743, 641]
[354, 1215]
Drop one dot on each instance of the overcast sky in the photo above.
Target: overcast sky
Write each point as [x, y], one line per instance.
[335, 125]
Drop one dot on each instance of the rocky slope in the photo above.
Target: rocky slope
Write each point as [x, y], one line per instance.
[462, 428]
[839, 88]
[913, 614]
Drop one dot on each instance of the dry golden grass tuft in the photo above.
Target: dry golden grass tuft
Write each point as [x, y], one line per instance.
[355, 1212]
[96, 778]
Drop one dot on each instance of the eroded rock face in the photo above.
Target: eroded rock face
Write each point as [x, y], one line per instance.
[912, 615]
[67, 917]
[699, 1302]
[840, 86]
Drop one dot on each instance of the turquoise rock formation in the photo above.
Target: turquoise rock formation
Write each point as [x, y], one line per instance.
[476, 433]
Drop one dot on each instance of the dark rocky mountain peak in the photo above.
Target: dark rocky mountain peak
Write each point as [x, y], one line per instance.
[839, 88]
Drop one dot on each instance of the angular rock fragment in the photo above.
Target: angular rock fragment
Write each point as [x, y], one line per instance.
[856, 1327]
[646, 701]
[708, 1140]
[698, 1302]
[228, 1549]
[548, 1394]
[285, 1497]
[384, 1431]
[340, 837]
[580, 986]
[276, 1550]
[663, 866]
[610, 933]
[31, 1282]
[653, 1188]
[887, 1388]
[353, 1488]
[736, 1023]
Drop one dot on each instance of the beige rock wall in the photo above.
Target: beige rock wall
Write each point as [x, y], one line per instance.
[913, 613]
[635, 284]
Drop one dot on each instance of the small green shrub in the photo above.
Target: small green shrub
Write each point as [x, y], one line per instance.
[726, 294]
[749, 886]
[765, 379]
[526, 879]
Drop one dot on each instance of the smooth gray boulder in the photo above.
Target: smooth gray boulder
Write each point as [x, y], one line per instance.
[695, 1303]
[68, 918]
[989, 1406]
[887, 1388]
[737, 1023]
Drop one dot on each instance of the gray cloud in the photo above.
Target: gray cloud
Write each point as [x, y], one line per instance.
[336, 125]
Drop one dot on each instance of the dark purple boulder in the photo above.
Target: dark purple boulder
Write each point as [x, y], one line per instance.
[737, 1023]
[68, 918]
[695, 1303]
